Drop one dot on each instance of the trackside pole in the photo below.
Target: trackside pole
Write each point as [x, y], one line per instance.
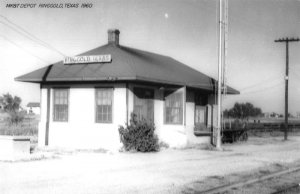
[220, 67]
[286, 41]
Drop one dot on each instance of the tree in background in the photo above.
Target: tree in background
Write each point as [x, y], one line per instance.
[243, 111]
[11, 105]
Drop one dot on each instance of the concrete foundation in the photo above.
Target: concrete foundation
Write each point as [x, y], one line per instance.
[14, 147]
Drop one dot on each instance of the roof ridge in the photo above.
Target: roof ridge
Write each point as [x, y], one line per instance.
[151, 53]
[119, 49]
[144, 51]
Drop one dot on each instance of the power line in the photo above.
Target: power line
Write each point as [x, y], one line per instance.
[295, 66]
[10, 41]
[259, 83]
[296, 74]
[286, 41]
[29, 35]
[264, 89]
[18, 31]
[22, 34]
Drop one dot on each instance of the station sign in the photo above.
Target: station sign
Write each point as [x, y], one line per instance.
[88, 59]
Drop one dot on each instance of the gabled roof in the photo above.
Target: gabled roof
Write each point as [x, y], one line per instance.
[33, 104]
[127, 64]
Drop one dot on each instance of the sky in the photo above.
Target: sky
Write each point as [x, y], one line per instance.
[186, 30]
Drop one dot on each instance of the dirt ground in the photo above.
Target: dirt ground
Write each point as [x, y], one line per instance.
[168, 171]
[287, 183]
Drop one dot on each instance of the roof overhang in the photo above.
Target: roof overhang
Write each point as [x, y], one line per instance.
[210, 87]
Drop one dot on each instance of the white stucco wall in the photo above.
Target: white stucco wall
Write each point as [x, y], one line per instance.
[190, 116]
[35, 110]
[81, 130]
[43, 119]
[190, 121]
[173, 135]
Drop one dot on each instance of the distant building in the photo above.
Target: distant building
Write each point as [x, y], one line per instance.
[33, 107]
[267, 115]
[275, 115]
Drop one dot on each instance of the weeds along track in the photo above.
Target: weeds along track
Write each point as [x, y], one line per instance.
[282, 183]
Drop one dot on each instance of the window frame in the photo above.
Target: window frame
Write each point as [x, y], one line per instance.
[181, 110]
[68, 103]
[205, 114]
[144, 89]
[201, 100]
[112, 105]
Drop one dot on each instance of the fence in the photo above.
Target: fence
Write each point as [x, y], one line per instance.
[238, 131]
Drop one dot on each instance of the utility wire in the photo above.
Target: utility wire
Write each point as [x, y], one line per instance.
[259, 83]
[29, 35]
[296, 74]
[10, 41]
[294, 67]
[264, 89]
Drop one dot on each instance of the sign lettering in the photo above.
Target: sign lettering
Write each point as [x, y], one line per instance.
[88, 59]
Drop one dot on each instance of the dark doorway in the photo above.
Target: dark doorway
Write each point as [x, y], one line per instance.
[144, 103]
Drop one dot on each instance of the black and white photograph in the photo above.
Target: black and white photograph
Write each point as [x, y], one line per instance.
[149, 96]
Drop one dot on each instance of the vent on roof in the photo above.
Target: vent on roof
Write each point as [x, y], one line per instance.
[113, 36]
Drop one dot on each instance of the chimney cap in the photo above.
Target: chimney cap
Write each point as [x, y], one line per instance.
[113, 30]
[113, 36]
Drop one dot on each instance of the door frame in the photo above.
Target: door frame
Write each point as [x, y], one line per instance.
[146, 99]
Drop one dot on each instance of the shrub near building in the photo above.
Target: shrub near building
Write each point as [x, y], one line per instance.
[139, 135]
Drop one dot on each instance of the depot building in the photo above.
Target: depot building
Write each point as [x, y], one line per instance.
[84, 99]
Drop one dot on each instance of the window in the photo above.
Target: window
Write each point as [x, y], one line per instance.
[201, 101]
[200, 115]
[61, 105]
[143, 103]
[104, 105]
[200, 109]
[174, 108]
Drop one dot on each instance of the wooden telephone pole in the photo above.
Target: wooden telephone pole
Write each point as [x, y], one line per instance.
[223, 15]
[287, 40]
[220, 70]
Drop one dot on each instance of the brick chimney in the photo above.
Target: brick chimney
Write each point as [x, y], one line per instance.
[113, 36]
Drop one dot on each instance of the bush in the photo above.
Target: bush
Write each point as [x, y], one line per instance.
[19, 130]
[139, 135]
[25, 128]
[15, 117]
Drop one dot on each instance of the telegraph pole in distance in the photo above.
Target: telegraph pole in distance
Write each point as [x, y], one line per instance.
[287, 40]
[220, 76]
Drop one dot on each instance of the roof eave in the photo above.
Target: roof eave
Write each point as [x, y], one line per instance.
[32, 80]
[232, 91]
[127, 78]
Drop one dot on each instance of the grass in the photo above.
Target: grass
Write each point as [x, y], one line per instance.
[267, 120]
[34, 157]
[28, 127]
[234, 178]
[20, 129]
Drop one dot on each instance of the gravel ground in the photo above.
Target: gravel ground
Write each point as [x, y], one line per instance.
[287, 183]
[168, 171]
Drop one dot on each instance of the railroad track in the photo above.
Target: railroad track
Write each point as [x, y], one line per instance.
[283, 184]
[295, 188]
